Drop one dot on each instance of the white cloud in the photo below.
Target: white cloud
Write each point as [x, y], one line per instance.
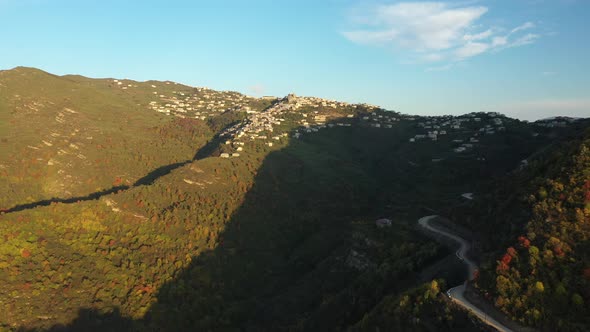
[525, 26]
[499, 41]
[434, 31]
[525, 40]
[433, 57]
[471, 49]
[482, 35]
[417, 25]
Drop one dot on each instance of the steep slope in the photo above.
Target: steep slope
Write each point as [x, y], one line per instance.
[539, 276]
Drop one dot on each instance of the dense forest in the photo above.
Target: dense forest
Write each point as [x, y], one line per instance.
[540, 213]
[132, 207]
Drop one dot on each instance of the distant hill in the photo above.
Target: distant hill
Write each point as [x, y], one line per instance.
[157, 206]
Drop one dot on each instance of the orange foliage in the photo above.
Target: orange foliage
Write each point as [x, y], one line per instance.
[25, 253]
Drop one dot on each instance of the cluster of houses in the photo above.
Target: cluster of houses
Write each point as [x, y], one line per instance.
[472, 124]
[202, 104]
[556, 122]
[381, 120]
[313, 114]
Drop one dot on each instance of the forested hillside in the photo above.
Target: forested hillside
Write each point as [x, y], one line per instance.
[156, 206]
[540, 274]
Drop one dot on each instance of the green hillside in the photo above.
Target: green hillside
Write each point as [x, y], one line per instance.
[158, 206]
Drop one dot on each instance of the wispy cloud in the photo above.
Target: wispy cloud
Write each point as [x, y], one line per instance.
[435, 31]
[525, 26]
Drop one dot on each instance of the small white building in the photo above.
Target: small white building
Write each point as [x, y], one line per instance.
[382, 223]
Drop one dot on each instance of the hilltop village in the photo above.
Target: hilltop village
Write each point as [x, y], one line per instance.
[293, 116]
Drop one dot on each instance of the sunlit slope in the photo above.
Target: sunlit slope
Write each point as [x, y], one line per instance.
[71, 136]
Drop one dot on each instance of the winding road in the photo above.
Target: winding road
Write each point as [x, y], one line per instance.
[457, 293]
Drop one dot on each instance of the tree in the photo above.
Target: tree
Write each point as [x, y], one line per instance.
[503, 285]
[577, 300]
[434, 288]
[539, 287]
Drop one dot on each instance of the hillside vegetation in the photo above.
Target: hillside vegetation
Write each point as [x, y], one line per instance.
[541, 274]
[158, 206]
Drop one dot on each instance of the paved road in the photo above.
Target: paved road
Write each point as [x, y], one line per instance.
[457, 293]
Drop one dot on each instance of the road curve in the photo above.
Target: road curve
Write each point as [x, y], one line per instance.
[457, 293]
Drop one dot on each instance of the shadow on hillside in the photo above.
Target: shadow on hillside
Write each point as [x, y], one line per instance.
[280, 262]
[91, 320]
[148, 179]
[48, 202]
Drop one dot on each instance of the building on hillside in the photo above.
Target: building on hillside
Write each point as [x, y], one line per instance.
[382, 223]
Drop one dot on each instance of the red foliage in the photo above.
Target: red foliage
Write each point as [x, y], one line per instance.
[147, 289]
[562, 197]
[586, 273]
[558, 251]
[118, 181]
[506, 259]
[524, 242]
[502, 267]
[511, 251]
[587, 198]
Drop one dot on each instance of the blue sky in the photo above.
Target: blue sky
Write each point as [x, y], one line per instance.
[524, 58]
